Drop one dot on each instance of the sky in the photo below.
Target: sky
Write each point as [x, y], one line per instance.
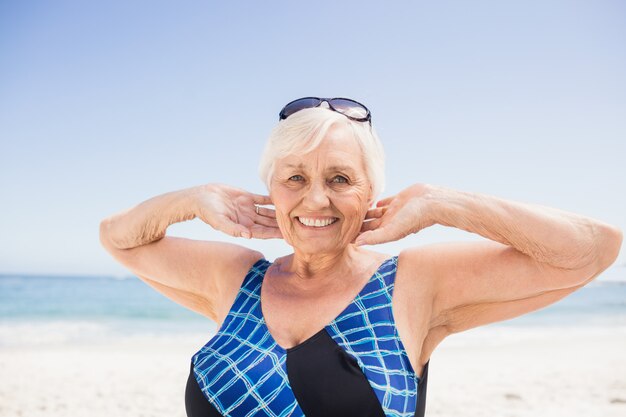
[106, 104]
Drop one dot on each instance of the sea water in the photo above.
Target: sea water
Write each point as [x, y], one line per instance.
[37, 309]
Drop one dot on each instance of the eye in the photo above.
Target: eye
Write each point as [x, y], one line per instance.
[296, 178]
[340, 179]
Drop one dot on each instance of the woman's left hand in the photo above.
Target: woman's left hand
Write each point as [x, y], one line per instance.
[397, 216]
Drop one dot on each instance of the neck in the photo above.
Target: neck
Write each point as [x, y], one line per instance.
[316, 270]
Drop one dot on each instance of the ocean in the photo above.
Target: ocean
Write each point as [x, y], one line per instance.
[43, 310]
[36, 310]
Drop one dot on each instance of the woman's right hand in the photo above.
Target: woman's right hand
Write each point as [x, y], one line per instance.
[201, 275]
[234, 211]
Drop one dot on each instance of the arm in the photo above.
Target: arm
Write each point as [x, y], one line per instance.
[196, 274]
[535, 255]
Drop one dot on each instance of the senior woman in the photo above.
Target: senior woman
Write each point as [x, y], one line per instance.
[334, 329]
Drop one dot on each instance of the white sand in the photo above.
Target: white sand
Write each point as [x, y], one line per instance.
[482, 372]
[547, 373]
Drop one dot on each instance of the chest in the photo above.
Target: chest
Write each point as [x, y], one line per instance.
[242, 369]
[294, 319]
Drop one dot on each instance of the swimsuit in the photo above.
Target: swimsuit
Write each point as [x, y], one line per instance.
[354, 366]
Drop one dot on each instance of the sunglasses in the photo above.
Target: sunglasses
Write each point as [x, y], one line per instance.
[353, 110]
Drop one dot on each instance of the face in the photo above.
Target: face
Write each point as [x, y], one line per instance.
[321, 197]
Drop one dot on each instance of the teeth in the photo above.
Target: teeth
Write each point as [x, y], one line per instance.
[316, 222]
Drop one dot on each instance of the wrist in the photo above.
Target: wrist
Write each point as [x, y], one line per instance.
[191, 200]
[437, 200]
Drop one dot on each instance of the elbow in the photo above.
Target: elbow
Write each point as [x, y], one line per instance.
[609, 242]
[105, 234]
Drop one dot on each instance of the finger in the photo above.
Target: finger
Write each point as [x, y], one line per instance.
[231, 228]
[371, 225]
[366, 238]
[267, 212]
[265, 221]
[375, 212]
[261, 199]
[374, 237]
[263, 232]
[385, 201]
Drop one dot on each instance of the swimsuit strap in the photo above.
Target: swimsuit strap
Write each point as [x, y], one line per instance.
[248, 297]
[239, 369]
[367, 331]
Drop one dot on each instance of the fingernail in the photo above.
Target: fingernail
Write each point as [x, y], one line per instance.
[246, 235]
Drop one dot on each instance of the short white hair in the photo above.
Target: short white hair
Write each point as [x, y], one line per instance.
[304, 130]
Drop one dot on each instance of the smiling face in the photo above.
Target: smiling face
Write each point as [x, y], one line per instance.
[321, 197]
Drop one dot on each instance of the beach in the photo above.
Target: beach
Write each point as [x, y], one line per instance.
[537, 372]
[565, 372]
[129, 352]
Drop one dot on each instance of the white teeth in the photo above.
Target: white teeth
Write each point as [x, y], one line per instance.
[316, 222]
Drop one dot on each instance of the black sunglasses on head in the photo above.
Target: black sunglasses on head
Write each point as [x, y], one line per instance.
[352, 109]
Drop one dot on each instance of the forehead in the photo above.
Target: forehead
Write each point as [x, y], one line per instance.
[338, 149]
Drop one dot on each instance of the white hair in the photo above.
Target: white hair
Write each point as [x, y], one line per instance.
[304, 130]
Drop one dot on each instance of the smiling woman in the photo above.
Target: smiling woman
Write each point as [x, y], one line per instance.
[322, 196]
[334, 329]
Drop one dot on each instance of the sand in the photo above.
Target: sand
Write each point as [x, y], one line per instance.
[547, 373]
[550, 372]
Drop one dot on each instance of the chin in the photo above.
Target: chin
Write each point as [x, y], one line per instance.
[312, 246]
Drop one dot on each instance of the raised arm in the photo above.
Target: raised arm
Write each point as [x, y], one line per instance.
[535, 255]
[200, 275]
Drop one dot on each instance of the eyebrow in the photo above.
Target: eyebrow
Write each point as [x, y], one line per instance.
[331, 168]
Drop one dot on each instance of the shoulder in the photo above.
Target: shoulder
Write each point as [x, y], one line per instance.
[411, 256]
[236, 265]
[413, 263]
[415, 280]
[233, 262]
[413, 304]
[420, 262]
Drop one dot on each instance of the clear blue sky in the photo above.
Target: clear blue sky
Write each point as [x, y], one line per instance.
[105, 104]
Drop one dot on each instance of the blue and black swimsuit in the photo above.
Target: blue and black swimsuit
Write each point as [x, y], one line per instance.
[355, 366]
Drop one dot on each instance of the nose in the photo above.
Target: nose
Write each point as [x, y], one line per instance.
[316, 197]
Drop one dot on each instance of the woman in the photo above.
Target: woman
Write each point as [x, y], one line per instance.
[336, 329]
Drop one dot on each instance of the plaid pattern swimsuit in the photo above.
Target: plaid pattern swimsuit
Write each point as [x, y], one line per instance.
[354, 366]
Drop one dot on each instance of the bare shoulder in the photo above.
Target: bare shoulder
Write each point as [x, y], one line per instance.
[235, 267]
[413, 305]
[415, 273]
[416, 281]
